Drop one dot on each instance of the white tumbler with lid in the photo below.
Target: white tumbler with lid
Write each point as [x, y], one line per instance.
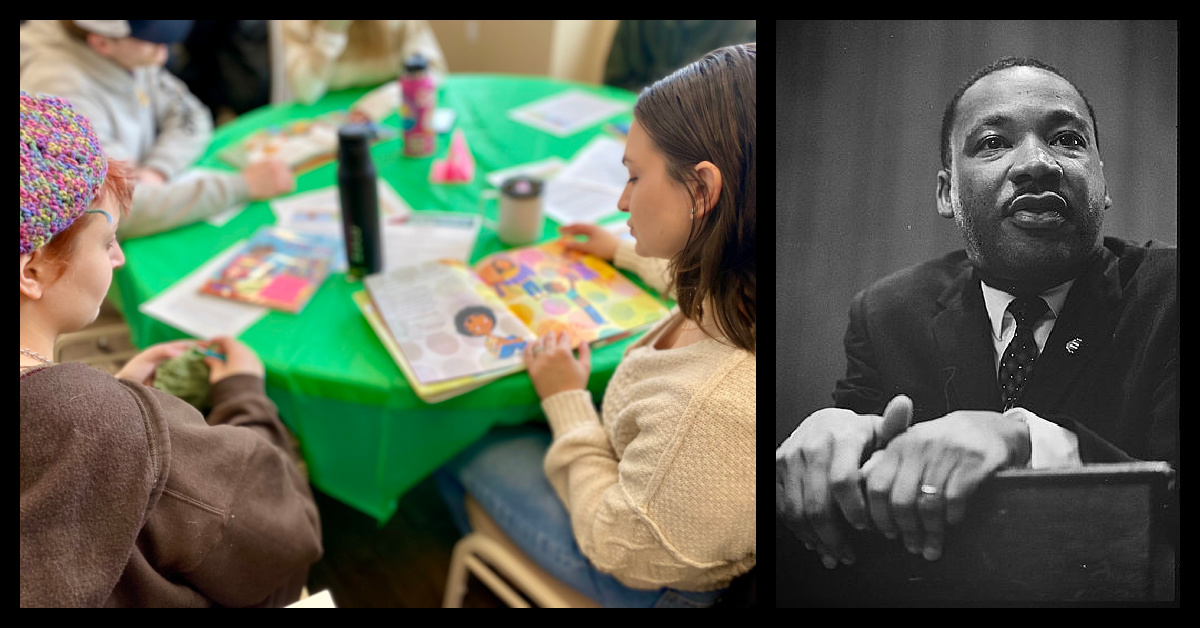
[520, 211]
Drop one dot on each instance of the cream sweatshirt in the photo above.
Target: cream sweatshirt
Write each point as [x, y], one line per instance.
[147, 117]
[315, 62]
[660, 485]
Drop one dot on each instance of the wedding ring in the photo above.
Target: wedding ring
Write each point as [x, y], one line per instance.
[928, 489]
[537, 349]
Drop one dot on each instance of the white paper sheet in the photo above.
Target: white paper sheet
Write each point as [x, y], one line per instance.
[443, 120]
[568, 201]
[588, 188]
[427, 236]
[567, 113]
[203, 316]
[599, 162]
[317, 600]
[320, 210]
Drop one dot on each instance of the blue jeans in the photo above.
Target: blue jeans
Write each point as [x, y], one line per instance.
[503, 472]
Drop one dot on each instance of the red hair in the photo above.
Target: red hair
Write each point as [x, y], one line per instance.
[117, 189]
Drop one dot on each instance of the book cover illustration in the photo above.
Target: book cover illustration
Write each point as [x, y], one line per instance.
[302, 144]
[551, 288]
[277, 268]
[446, 322]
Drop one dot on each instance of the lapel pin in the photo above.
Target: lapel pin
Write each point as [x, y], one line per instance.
[1073, 346]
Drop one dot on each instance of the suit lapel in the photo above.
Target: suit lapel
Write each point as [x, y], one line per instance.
[963, 338]
[1084, 325]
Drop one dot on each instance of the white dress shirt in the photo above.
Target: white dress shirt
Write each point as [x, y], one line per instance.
[1050, 445]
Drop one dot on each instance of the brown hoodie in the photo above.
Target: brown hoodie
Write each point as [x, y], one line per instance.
[129, 498]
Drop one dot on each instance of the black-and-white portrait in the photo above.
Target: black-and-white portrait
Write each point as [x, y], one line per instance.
[977, 386]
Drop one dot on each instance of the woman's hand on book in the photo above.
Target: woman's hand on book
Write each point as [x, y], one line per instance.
[600, 242]
[552, 367]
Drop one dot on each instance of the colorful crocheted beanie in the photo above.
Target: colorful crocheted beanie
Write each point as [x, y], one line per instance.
[62, 168]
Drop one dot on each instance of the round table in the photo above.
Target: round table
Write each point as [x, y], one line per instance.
[364, 434]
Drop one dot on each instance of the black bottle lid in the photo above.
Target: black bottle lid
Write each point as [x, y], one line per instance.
[521, 187]
[415, 62]
[353, 142]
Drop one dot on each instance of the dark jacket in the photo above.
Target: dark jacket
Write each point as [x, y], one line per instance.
[924, 332]
[130, 498]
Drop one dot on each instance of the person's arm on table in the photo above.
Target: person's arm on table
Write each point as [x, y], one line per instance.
[158, 208]
[954, 454]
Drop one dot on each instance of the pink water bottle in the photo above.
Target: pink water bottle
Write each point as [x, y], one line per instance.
[419, 99]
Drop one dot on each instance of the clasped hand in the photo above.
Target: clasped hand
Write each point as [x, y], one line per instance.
[819, 483]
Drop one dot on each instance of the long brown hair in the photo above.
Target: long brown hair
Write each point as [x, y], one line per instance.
[706, 112]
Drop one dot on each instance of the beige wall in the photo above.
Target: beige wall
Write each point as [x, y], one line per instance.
[567, 49]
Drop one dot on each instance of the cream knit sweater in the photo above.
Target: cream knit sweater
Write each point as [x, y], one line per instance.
[660, 488]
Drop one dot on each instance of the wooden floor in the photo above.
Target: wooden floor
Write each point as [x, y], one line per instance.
[403, 564]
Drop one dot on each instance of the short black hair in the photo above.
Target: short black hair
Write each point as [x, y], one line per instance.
[460, 319]
[996, 66]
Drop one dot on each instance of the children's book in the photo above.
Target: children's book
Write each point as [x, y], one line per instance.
[430, 393]
[452, 328]
[302, 144]
[277, 268]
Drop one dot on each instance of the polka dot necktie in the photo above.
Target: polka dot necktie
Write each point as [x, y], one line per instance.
[1017, 365]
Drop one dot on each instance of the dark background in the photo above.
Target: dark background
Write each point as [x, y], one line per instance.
[859, 108]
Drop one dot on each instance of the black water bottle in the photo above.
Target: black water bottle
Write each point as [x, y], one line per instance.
[360, 201]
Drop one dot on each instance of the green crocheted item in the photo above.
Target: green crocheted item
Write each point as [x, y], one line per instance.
[186, 377]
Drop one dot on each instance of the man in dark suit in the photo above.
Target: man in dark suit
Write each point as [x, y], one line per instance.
[1042, 344]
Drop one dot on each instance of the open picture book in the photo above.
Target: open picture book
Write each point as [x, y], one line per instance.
[302, 144]
[452, 328]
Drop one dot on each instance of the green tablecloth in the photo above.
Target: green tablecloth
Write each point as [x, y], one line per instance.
[365, 435]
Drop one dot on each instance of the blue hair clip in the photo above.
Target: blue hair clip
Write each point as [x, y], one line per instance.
[99, 211]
